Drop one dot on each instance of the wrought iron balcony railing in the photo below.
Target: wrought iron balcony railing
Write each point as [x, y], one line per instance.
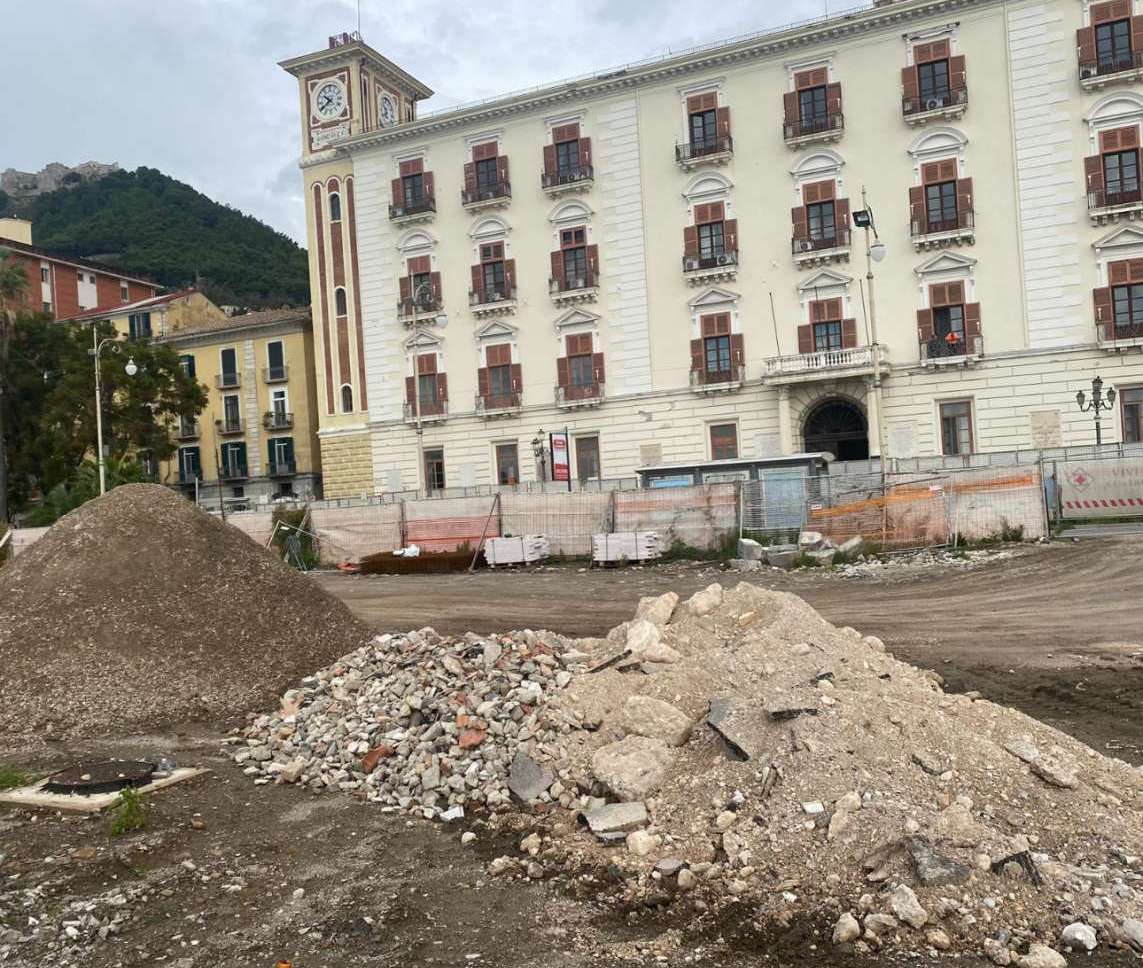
[277, 420]
[487, 193]
[697, 263]
[567, 176]
[838, 240]
[940, 101]
[814, 126]
[961, 221]
[421, 206]
[695, 150]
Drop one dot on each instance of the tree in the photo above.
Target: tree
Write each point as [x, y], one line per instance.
[13, 285]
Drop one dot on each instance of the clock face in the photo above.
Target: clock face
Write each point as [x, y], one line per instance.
[387, 110]
[329, 101]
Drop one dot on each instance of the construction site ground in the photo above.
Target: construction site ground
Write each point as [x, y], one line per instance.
[274, 872]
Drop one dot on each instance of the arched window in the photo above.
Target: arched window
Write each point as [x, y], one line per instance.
[334, 207]
[346, 398]
[339, 299]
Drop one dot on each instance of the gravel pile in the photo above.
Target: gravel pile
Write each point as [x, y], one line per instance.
[139, 611]
[418, 722]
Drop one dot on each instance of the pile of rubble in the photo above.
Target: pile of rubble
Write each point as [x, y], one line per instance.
[737, 749]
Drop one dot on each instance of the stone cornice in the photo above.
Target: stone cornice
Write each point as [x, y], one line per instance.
[235, 334]
[781, 42]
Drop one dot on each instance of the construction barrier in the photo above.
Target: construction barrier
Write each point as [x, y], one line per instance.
[1098, 487]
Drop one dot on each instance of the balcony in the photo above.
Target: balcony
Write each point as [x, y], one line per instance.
[960, 230]
[432, 411]
[1119, 338]
[229, 426]
[497, 404]
[817, 130]
[234, 471]
[583, 395]
[718, 381]
[422, 210]
[574, 289]
[188, 430]
[275, 374]
[945, 106]
[283, 468]
[491, 302]
[826, 364]
[709, 151]
[1098, 74]
[490, 196]
[227, 381]
[1104, 206]
[963, 352]
[823, 250]
[277, 420]
[578, 178]
[190, 480]
[701, 269]
[412, 313]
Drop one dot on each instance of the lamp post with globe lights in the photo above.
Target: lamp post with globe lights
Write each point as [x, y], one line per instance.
[1100, 401]
[875, 251]
[97, 347]
[424, 311]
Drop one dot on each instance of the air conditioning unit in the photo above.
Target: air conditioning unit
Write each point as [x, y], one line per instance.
[725, 259]
[932, 103]
[1088, 70]
[692, 262]
[805, 245]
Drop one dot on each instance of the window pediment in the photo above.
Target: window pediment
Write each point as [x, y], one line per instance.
[946, 262]
[574, 318]
[489, 228]
[707, 186]
[825, 279]
[415, 242]
[423, 340]
[572, 212]
[496, 330]
[710, 298]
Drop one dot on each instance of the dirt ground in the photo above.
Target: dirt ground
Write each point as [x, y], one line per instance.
[1038, 631]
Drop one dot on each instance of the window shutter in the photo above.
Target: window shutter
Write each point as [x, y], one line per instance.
[597, 367]
[1135, 270]
[410, 390]
[826, 190]
[730, 232]
[398, 191]
[516, 374]
[584, 152]
[510, 278]
[1102, 300]
[690, 240]
[917, 207]
[428, 185]
[841, 216]
[406, 286]
[925, 331]
[922, 53]
[954, 293]
[502, 169]
[442, 386]
[549, 159]
[972, 319]
[420, 264]
[931, 172]
[938, 295]
[1136, 35]
[565, 132]
[484, 151]
[833, 98]
[939, 49]
[910, 84]
[790, 106]
[947, 170]
[470, 176]
[413, 167]
[1118, 272]
[694, 103]
[722, 122]
[716, 212]
[737, 349]
[698, 358]
[435, 286]
[558, 268]
[1093, 172]
[963, 195]
[593, 260]
[1129, 137]
[801, 222]
[806, 338]
[848, 334]
[427, 363]
[958, 78]
[1112, 10]
[478, 280]
[563, 377]
[1085, 43]
[498, 355]
[708, 326]
[482, 381]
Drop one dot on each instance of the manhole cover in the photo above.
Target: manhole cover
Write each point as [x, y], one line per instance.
[105, 776]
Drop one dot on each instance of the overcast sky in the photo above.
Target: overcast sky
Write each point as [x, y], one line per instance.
[192, 87]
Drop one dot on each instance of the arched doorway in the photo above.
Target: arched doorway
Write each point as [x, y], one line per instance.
[839, 427]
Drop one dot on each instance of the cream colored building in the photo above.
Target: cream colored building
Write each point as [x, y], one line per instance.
[662, 258]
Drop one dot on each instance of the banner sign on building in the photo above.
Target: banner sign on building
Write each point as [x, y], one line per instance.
[561, 461]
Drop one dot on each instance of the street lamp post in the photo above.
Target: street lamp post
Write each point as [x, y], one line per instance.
[1099, 402]
[875, 251]
[540, 453]
[130, 369]
[422, 297]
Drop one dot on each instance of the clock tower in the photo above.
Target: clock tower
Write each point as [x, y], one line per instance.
[346, 93]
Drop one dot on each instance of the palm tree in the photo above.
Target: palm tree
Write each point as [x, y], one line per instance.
[13, 286]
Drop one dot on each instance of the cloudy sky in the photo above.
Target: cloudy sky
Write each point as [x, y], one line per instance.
[192, 87]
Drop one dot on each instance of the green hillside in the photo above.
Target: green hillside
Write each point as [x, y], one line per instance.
[144, 222]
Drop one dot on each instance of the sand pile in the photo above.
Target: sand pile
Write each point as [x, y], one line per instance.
[138, 611]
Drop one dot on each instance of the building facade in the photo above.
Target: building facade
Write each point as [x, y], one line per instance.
[665, 259]
[65, 287]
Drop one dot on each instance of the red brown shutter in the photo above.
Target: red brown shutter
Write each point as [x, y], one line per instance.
[930, 172]
[398, 191]
[806, 338]
[963, 195]
[516, 375]
[442, 386]
[563, 371]
[790, 106]
[597, 373]
[833, 98]
[972, 319]
[1118, 272]
[910, 84]
[737, 350]
[510, 278]
[917, 208]
[925, 330]
[410, 390]
[1103, 306]
[954, 293]
[429, 185]
[1136, 35]
[406, 286]
[482, 381]
[698, 358]
[558, 269]
[1112, 10]
[584, 152]
[565, 132]
[426, 363]
[722, 122]
[1085, 42]
[1135, 270]
[484, 151]
[841, 216]
[478, 280]
[549, 159]
[730, 233]
[939, 49]
[690, 240]
[958, 79]
[435, 286]
[593, 260]
[801, 222]
[1093, 172]
[848, 334]
[470, 176]
[414, 166]
[502, 169]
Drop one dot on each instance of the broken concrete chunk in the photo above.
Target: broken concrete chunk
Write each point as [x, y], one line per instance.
[1023, 748]
[617, 818]
[782, 556]
[706, 601]
[810, 540]
[822, 556]
[904, 904]
[749, 549]
[1131, 931]
[846, 930]
[527, 779]
[657, 609]
[1041, 956]
[634, 767]
[935, 869]
[1056, 773]
[928, 762]
[642, 635]
[1079, 937]
[670, 866]
[732, 720]
[642, 843]
[655, 719]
